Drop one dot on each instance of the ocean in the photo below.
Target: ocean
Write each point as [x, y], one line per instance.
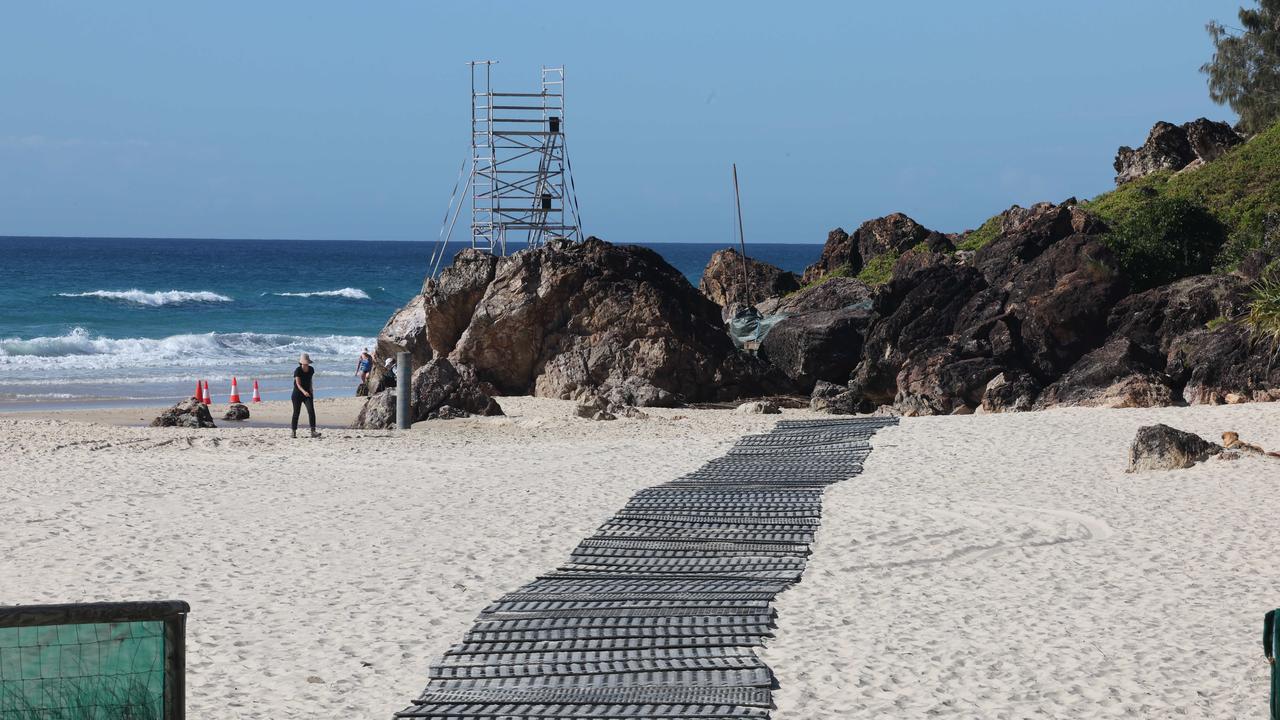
[122, 321]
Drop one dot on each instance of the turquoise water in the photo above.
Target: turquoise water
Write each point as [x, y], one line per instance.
[121, 321]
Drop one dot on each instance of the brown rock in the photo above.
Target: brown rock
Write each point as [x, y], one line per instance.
[1160, 447]
[189, 413]
[570, 319]
[442, 383]
[1117, 375]
[722, 280]
[1174, 147]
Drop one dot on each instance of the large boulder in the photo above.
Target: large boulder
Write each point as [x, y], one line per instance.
[1174, 147]
[378, 412]
[570, 319]
[189, 413]
[1061, 301]
[236, 411]
[441, 383]
[914, 313]
[722, 280]
[945, 380]
[431, 323]
[1025, 233]
[1226, 363]
[405, 331]
[834, 293]
[1155, 319]
[1160, 447]
[817, 333]
[1120, 374]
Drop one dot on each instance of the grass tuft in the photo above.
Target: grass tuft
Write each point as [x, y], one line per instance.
[1264, 310]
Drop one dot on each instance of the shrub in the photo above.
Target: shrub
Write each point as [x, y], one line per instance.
[1264, 310]
[878, 270]
[1165, 239]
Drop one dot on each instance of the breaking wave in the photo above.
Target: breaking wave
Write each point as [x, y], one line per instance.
[347, 292]
[154, 299]
[81, 353]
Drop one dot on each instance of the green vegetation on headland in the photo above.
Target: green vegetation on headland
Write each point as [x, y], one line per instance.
[1238, 190]
[985, 233]
[1264, 309]
[879, 269]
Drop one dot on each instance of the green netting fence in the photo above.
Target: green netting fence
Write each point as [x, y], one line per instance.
[94, 661]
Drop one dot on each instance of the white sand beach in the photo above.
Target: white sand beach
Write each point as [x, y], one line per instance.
[998, 566]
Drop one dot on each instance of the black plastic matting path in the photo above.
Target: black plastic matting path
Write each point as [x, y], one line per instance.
[655, 616]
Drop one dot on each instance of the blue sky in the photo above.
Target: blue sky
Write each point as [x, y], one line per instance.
[349, 120]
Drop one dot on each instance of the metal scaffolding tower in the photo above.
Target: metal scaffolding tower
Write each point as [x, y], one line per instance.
[520, 179]
[521, 183]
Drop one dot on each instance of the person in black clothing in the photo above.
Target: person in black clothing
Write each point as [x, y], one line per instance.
[302, 394]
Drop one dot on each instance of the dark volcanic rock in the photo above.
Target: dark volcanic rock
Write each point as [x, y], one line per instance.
[1226, 364]
[1010, 392]
[835, 293]
[893, 234]
[1027, 232]
[1061, 301]
[1160, 447]
[914, 313]
[832, 398]
[944, 381]
[821, 345]
[722, 280]
[839, 251]
[378, 413]
[1119, 374]
[236, 411]
[1173, 147]
[189, 413]
[1154, 319]
[441, 383]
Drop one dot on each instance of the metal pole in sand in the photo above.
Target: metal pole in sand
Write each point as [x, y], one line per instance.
[404, 381]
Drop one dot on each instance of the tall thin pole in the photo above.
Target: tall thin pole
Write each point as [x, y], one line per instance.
[742, 242]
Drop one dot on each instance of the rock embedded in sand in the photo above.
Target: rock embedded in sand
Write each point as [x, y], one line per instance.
[1160, 447]
[189, 413]
[236, 411]
[378, 413]
[758, 407]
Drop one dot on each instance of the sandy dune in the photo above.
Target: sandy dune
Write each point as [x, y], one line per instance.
[988, 566]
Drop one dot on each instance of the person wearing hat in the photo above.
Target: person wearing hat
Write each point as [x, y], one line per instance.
[303, 394]
[390, 377]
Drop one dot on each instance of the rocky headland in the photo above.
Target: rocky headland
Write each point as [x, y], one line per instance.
[1154, 294]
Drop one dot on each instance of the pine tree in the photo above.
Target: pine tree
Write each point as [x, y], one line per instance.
[1245, 70]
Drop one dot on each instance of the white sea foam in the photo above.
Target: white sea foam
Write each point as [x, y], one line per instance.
[154, 299]
[347, 292]
[79, 355]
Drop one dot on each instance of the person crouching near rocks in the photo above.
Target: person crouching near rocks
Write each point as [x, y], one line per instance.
[303, 394]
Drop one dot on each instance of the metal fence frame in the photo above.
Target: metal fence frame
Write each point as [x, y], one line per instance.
[172, 612]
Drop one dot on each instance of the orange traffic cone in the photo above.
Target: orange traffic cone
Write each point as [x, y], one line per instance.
[208, 399]
[235, 393]
[199, 396]
[256, 396]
